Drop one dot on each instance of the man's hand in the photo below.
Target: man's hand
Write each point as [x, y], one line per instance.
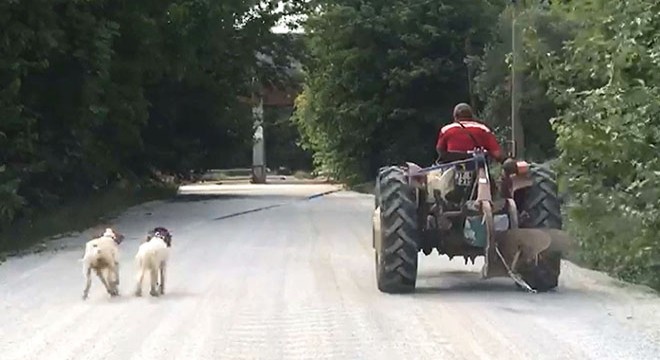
[498, 156]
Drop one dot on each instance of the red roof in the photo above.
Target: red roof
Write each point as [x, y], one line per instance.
[276, 97]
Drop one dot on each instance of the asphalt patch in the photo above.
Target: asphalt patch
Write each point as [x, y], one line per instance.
[263, 208]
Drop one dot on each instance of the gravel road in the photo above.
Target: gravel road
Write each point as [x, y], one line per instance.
[297, 282]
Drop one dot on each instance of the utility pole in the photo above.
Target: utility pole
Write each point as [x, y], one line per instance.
[470, 71]
[258, 148]
[517, 136]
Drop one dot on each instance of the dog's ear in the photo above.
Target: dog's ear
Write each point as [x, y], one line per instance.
[151, 233]
[119, 237]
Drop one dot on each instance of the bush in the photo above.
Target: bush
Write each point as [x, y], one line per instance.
[607, 84]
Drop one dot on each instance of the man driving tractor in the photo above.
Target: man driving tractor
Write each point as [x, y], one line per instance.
[463, 135]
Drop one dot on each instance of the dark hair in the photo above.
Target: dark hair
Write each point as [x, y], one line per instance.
[463, 111]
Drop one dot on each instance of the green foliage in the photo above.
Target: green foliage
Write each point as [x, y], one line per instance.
[383, 76]
[543, 31]
[78, 215]
[278, 126]
[92, 92]
[607, 84]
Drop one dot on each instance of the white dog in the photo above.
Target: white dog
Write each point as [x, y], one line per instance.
[101, 254]
[152, 256]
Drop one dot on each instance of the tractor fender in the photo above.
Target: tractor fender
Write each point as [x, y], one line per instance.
[413, 169]
[412, 164]
[519, 182]
[520, 177]
[414, 177]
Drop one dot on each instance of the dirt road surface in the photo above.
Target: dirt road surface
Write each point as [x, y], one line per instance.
[297, 282]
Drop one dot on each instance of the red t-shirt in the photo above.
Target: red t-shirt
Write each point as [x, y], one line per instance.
[453, 137]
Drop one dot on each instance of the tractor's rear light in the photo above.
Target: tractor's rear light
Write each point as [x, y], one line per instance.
[522, 167]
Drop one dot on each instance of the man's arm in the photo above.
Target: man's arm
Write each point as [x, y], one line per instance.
[493, 147]
[441, 144]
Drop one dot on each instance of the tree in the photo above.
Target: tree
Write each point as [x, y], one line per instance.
[606, 84]
[544, 31]
[92, 92]
[383, 77]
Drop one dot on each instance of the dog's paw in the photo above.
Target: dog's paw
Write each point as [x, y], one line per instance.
[154, 293]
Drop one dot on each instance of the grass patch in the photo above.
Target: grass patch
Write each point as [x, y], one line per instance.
[76, 215]
[303, 175]
[364, 188]
[226, 174]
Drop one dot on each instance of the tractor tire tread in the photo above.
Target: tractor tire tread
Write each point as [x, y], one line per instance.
[399, 231]
[543, 205]
[542, 201]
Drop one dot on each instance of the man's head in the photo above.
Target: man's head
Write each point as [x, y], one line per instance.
[462, 111]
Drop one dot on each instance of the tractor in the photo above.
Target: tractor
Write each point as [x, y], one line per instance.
[456, 207]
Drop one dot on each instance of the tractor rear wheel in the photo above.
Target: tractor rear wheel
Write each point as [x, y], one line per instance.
[397, 243]
[542, 208]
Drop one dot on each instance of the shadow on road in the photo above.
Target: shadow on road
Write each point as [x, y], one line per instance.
[450, 286]
[462, 282]
[469, 287]
[184, 198]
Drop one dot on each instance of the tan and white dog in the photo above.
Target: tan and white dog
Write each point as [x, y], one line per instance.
[102, 255]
